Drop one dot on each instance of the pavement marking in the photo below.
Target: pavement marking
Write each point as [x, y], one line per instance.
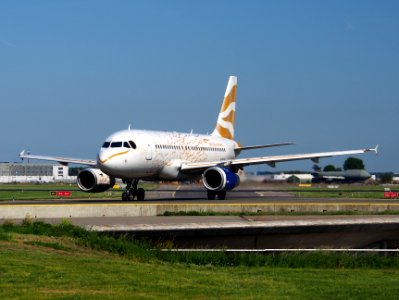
[174, 193]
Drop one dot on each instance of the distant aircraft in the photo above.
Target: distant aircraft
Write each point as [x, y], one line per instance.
[341, 176]
[134, 155]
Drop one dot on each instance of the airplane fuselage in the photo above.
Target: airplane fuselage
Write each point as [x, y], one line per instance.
[158, 155]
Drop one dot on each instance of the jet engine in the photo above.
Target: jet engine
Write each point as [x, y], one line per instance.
[220, 179]
[94, 181]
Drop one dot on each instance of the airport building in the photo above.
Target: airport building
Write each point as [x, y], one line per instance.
[34, 173]
[300, 178]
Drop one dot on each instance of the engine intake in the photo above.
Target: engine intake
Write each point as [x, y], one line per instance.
[94, 181]
[220, 179]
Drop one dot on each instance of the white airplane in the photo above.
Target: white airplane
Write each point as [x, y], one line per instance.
[134, 155]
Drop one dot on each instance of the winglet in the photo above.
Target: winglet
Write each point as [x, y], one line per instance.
[375, 150]
[22, 155]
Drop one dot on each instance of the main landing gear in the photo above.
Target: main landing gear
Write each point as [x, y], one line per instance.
[212, 195]
[132, 191]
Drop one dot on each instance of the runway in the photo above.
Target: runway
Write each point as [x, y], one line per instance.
[188, 194]
[186, 199]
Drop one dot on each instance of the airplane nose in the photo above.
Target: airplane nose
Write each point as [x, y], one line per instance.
[99, 159]
[102, 157]
[108, 159]
[103, 162]
[111, 161]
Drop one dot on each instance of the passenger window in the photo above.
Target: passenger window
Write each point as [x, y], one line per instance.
[132, 144]
[116, 144]
[106, 144]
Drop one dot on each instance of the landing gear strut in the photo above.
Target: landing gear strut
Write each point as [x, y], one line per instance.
[212, 195]
[132, 191]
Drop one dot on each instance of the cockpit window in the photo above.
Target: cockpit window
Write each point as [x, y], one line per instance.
[126, 145]
[116, 144]
[106, 144]
[132, 144]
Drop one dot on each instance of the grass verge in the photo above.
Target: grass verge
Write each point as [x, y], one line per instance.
[146, 252]
[40, 261]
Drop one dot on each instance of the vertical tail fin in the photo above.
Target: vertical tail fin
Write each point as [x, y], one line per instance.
[225, 123]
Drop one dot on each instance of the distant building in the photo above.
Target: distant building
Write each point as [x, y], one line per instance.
[300, 178]
[277, 177]
[24, 173]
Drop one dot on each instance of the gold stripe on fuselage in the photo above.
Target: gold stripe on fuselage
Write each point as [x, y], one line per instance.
[112, 156]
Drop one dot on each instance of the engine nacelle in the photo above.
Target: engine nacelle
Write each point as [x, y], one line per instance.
[94, 181]
[220, 179]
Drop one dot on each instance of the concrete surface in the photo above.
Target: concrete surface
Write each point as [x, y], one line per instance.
[91, 210]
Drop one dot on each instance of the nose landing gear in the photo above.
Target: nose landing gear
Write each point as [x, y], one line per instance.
[132, 191]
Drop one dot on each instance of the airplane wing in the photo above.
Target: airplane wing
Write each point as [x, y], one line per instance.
[270, 160]
[61, 160]
[263, 146]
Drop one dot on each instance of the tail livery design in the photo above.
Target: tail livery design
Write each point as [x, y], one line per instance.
[225, 122]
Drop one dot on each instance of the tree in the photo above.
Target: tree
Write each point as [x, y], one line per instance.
[329, 168]
[353, 163]
[74, 171]
[386, 177]
[316, 168]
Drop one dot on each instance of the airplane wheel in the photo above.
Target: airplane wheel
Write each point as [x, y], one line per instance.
[131, 195]
[222, 195]
[211, 195]
[125, 196]
[140, 194]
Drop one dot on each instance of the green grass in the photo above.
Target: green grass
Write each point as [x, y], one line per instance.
[40, 261]
[97, 276]
[339, 194]
[344, 187]
[146, 252]
[279, 213]
[43, 191]
[344, 191]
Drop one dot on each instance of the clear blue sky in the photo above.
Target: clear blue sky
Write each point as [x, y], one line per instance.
[324, 74]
